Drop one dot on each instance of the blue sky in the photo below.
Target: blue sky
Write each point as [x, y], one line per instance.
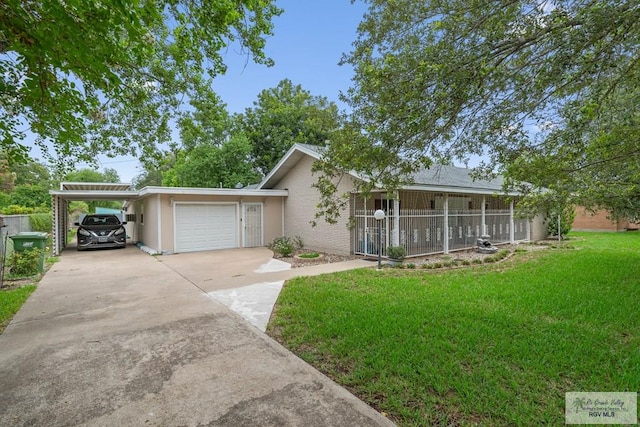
[309, 40]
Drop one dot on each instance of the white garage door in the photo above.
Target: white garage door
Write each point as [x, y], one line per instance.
[202, 227]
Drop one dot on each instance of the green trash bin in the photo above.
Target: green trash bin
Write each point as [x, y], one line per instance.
[28, 240]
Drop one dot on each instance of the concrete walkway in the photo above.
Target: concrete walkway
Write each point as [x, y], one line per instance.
[123, 338]
[248, 281]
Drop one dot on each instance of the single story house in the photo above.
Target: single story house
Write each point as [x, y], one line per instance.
[442, 211]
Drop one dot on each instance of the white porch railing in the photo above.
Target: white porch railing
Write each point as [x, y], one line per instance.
[424, 231]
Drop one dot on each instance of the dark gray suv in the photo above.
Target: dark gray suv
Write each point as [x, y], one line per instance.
[101, 231]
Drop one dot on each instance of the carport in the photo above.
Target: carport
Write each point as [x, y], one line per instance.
[175, 219]
[82, 191]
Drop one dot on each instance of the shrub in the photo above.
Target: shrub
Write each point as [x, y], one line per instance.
[25, 263]
[437, 265]
[41, 222]
[283, 246]
[396, 252]
[411, 265]
[489, 259]
[466, 262]
[16, 210]
[567, 215]
[477, 261]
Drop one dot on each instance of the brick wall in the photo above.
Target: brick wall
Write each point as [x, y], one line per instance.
[599, 221]
[300, 209]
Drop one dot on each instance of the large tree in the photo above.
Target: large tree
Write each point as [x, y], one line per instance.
[283, 116]
[529, 85]
[88, 76]
[212, 166]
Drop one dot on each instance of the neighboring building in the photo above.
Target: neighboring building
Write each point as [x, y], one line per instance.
[443, 210]
[599, 221]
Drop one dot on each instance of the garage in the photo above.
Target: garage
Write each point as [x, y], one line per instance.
[205, 226]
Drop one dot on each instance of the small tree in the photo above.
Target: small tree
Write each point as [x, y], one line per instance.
[566, 214]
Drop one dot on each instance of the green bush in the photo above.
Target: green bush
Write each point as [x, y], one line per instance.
[41, 222]
[25, 263]
[283, 246]
[567, 215]
[16, 210]
[396, 252]
[411, 265]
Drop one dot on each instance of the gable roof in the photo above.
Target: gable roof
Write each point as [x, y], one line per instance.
[440, 178]
[286, 163]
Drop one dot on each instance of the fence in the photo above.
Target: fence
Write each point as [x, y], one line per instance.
[14, 224]
[423, 231]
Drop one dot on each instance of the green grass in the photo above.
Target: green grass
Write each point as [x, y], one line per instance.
[11, 301]
[494, 345]
[309, 255]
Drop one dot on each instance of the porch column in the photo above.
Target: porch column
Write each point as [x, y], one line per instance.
[366, 229]
[445, 208]
[396, 220]
[529, 230]
[483, 217]
[511, 223]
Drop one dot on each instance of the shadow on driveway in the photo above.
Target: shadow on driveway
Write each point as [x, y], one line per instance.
[116, 337]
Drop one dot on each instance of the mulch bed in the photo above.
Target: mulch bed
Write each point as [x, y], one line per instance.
[467, 254]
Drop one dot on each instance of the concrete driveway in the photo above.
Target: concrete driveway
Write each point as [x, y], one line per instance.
[119, 337]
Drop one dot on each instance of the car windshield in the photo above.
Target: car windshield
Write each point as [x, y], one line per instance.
[100, 220]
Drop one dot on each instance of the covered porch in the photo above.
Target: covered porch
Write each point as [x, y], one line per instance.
[430, 222]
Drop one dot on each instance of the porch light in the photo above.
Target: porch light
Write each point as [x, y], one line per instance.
[379, 216]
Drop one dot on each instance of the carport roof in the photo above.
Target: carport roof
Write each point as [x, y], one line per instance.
[122, 191]
[94, 191]
[95, 186]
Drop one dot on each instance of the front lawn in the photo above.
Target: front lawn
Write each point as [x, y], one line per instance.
[10, 302]
[491, 345]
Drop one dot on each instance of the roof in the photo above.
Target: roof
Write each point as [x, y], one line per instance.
[211, 191]
[441, 178]
[94, 191]
[95, 186]
[290, 159]
[119, 191]
[450, 178]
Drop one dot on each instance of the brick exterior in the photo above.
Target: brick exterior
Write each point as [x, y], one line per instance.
[300, 209]
[599, 221]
